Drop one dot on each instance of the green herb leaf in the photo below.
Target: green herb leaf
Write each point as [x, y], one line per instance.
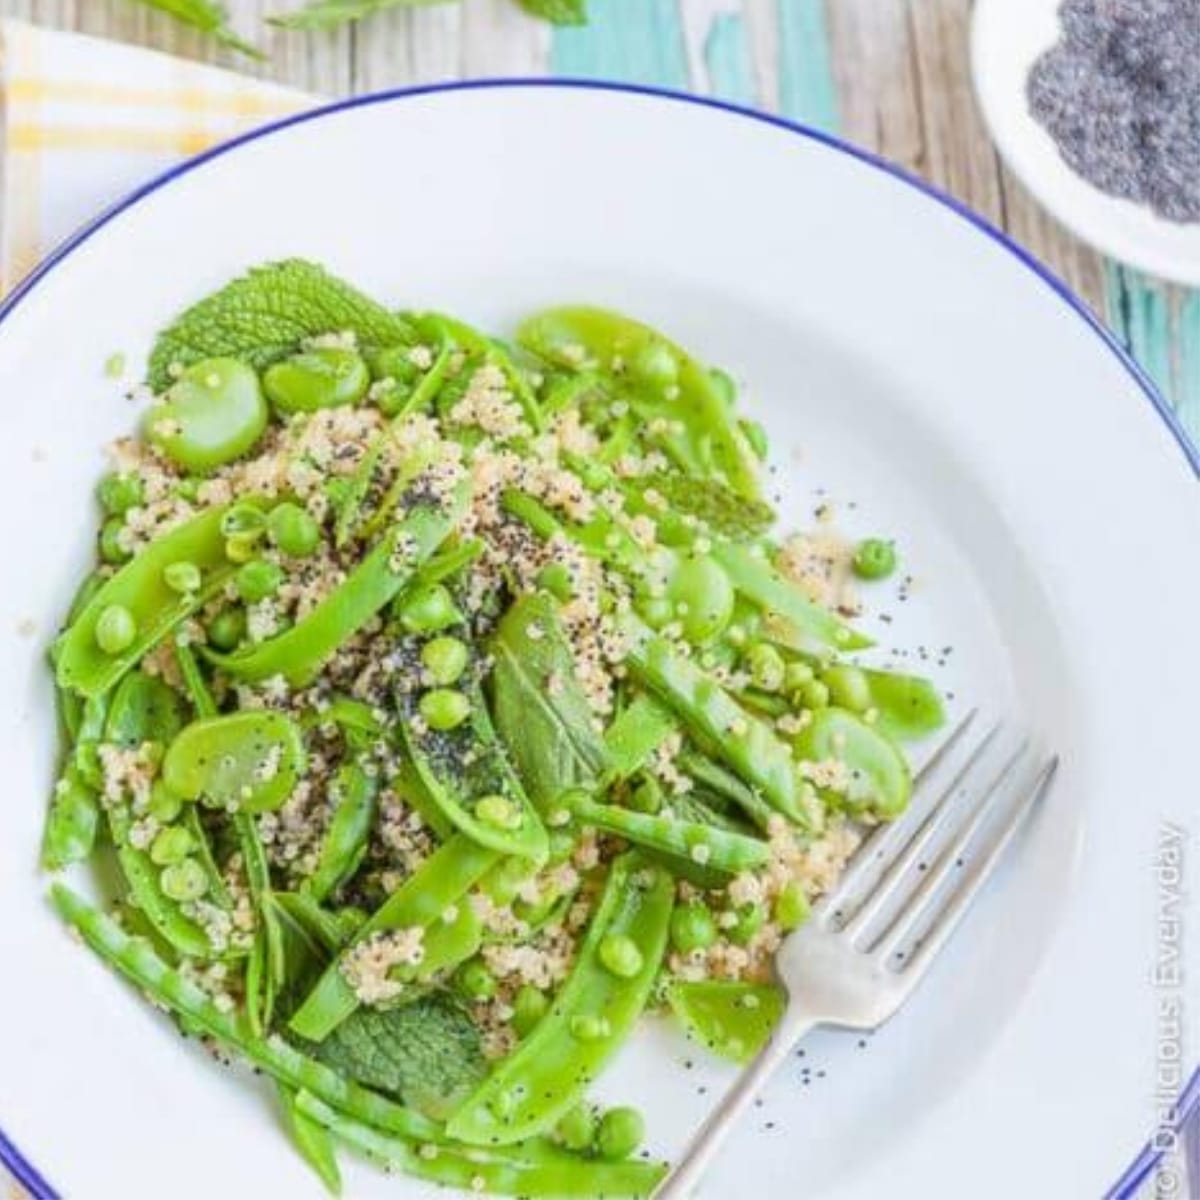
[264, 316]
[540, 710]
[557, 12]
[723, 510]
[328, 14]
[427, 1052]
[207, 16]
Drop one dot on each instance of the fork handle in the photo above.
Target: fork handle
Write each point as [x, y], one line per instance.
[708, 1139]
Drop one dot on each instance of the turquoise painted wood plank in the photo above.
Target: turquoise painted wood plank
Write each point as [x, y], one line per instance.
[646, 47]
[1164, 339]
[807, 91]
[1187, 388]
[727, 57]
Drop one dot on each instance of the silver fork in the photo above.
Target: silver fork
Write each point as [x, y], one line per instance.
[871, 940]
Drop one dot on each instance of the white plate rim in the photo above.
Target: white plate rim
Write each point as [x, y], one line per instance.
[1187, 1108]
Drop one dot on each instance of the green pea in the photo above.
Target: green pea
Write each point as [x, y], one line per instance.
[241, 547]
[170, 845]
[314, 379]
[814, 694]
[182, 577]
[692, 927]
[111, 549]
[188, 489]
[226, 630]
[647, 797]
[750, 919]
[496, 811]
[258, 579]
[767, 669]
[576, 1129]
[529, 1007]
[848, 688]
[119, 492]
[445, 658]
[444, 708]
[620, 1133]
[556, 579]
[184, 880]
[790, 909]
[620, 955]
[243, 518]
[115, 629]
[429, 609]
[874, 558]
[655, 365]
[475, 981]
[213, 413]
[293, 529]
[797, 675]
[164, 805]
[702, 596]
[656, 611]
[587, 1027]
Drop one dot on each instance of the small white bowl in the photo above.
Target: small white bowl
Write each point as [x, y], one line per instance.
[1007, 36]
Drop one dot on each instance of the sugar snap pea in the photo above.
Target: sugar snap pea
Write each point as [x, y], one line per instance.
[345, 841]
[547, 1073]
[300, 652]
[139, 588]
[442, 881]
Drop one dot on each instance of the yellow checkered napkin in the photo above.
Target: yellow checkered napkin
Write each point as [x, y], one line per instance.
[85, 120]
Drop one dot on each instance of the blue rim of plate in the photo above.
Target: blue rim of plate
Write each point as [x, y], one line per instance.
[1187, 1108]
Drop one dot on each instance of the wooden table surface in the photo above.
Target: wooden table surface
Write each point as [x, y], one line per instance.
[890, 75]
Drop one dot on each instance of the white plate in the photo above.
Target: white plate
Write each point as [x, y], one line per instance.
[1007, 38]
[905, 359]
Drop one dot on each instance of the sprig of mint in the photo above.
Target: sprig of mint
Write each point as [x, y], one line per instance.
[209, 16]
[266, 314]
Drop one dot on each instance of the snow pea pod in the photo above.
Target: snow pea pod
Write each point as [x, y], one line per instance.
[266, 966]
[815, 627]
[640, 359]
[546, 1075]
[878, 780]
[72, 821]
[312, 1140]
[727, 785]
[299, 653]
[139, 588]
[705, 845]
[345, 840]
[746, 744]
[247, 761]
[466, 766]
[732, 1019]
[134, 958]
[543, 1170]
[636, 733]
[440, 882]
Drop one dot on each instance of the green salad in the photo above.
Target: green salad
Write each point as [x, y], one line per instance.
[443, 704]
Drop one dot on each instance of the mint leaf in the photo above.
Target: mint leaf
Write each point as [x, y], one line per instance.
[724, 511]
[266, 313]
[207, 16]
[427, 1052]
[540, 710]
[557, 12]
[327, 14]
